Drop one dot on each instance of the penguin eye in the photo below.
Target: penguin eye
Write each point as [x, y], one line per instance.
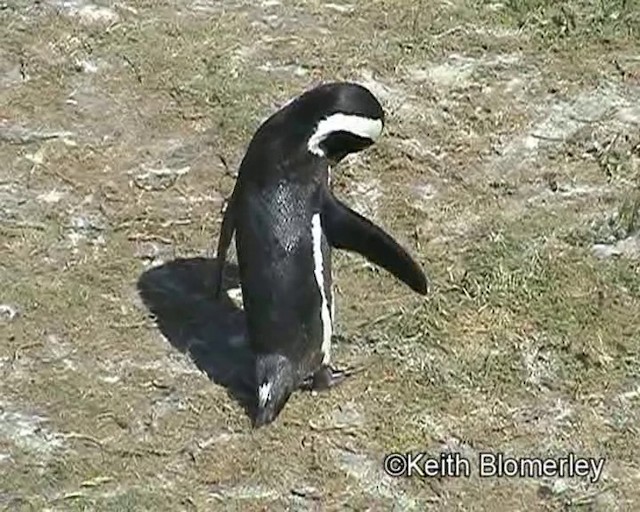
[339, 144]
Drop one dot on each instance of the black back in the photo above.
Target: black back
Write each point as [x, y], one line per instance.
[274, 207]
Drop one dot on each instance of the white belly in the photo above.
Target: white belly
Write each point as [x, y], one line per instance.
[326, 314]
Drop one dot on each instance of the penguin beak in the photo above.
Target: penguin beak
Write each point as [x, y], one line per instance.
[265, 415]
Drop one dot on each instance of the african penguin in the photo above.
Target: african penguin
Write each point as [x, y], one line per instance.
[286, 220]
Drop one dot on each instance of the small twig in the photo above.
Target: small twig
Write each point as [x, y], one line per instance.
[142, 452]
[612, 142]
[110, 415]
[305, 493]
[587, 121]
[177, 222]
[84, 437]
[23, 69]
[74, 495]
[22, 136]
[16, 352]
[604, 117]
[347, 429]
[155, 188]
[160, 385]
[223, 161]
[64, 178]
[146, 237]
[589, 498]
[26, 225]
[135, 69]
[180, 190]
[381, 318]
[619, 68]
[344, 447]
[453, 30]
[131, 325]
[95, 482]
[545, 137]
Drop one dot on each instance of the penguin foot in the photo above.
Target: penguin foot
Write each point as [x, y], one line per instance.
[327, 377]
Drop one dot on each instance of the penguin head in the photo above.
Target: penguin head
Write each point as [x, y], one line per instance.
[276, 381]
[335, 119]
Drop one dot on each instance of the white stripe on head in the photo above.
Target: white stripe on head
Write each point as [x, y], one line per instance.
[357, 125]
[318, 269]
[264, 394]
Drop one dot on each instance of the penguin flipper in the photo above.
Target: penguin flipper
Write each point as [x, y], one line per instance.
[226, 233]
[347, 229]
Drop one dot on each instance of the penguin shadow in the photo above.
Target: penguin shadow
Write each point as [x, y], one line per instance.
[212, 331]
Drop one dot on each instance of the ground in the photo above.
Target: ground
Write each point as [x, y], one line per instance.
[509, 166]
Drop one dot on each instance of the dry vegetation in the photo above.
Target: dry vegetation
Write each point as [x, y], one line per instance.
[510, 166]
